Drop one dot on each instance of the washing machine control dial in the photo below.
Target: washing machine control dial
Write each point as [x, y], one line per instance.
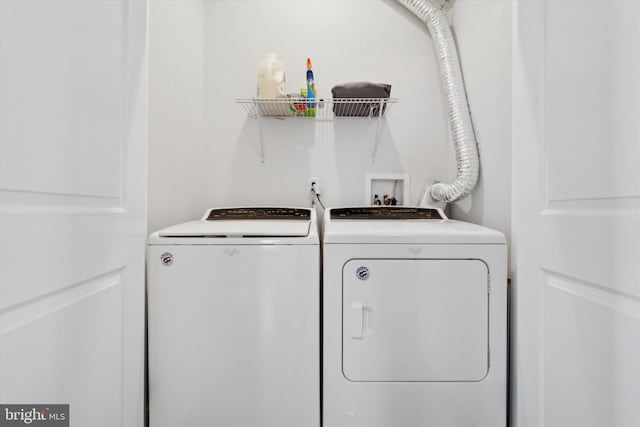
[259, 213]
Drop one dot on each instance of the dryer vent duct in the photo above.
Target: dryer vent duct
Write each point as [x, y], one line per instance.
[433, 13]
[442, 4]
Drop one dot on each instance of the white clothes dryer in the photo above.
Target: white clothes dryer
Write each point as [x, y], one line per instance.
[415, 320]
[234, 320]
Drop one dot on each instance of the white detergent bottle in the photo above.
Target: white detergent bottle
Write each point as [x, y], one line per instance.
[270, 77]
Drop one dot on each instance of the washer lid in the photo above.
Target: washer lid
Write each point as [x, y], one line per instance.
[245, 222]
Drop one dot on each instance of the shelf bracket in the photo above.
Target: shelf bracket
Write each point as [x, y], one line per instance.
[376, 140]
[260, 135]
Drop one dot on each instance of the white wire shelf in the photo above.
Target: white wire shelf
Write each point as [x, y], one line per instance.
[319, 108]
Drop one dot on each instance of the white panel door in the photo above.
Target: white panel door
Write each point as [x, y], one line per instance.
[415, 320]
[73, 206]
[576, 213]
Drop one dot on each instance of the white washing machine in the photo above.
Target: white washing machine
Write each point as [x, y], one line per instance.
[234, 320]
[415, 320]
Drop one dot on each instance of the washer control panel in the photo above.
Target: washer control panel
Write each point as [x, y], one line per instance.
[237, 214]
[385, 212]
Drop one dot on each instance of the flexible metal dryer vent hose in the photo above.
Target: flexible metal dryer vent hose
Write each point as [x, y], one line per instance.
[433, 13]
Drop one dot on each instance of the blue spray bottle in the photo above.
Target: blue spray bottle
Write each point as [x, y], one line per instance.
[311, 91]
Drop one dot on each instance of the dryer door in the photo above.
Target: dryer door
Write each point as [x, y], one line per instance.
[415, 320]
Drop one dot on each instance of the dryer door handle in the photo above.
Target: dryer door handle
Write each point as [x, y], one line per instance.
[357, 320]
[361, 320]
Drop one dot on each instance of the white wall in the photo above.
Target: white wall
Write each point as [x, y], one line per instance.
[176, 111]
[483, 34]
[348, 41]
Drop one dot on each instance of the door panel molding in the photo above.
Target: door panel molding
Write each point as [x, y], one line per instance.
[589, 361]
[65, 131]
[26, 312]
[73, 354]
[590, 101]
[26, 202]
[598, 294]
[605, 204]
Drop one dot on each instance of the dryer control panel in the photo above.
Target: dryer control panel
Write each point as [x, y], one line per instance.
[259, 213]
[385, 212]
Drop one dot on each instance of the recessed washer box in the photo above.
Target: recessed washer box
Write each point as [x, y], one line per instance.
[393, 184]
